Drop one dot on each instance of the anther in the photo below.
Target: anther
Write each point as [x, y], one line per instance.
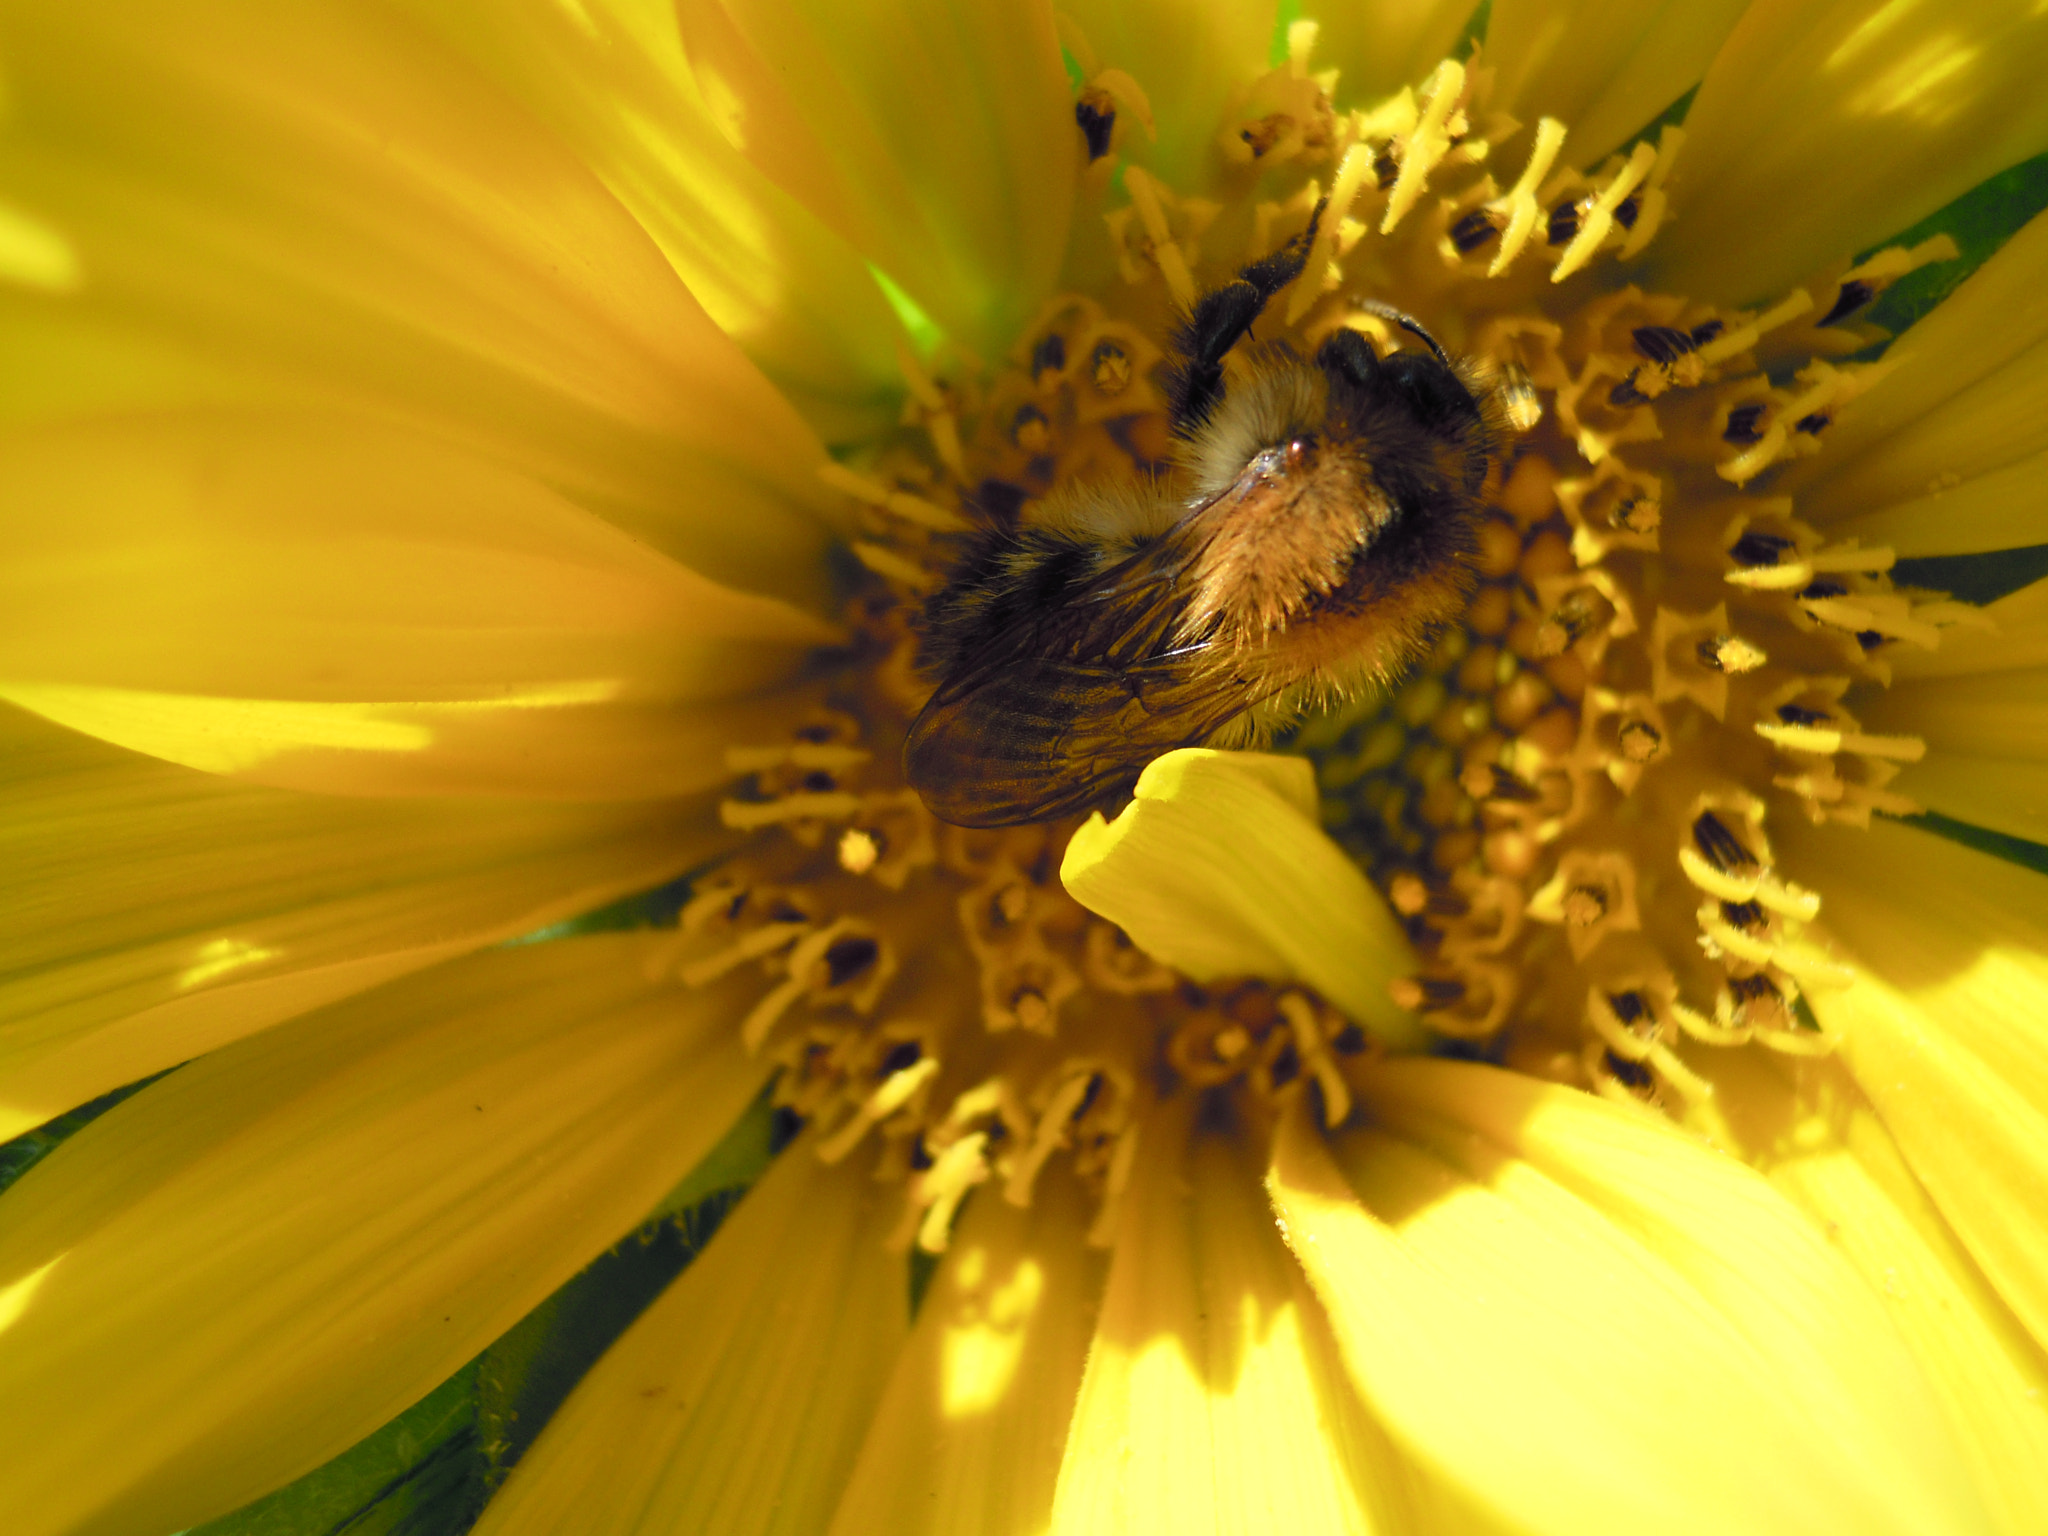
[1853, 296]
[1662, 343]
[1095, 115]
[1756, 549]
[1744, 425]
[1720, 847]
[1745, 916]
[1631, 1074]
[1476, 229]
[1564, 223]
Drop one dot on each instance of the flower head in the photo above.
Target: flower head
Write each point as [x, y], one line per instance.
[470, 465]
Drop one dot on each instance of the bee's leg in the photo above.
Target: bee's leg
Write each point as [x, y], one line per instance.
[1221, 317]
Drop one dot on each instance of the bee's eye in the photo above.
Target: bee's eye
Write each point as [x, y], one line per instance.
[1298, 451]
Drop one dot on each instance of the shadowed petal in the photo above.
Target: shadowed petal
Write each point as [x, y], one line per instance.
[250, 1265]
[319, 205]
[1215, 1398]
[737, 1402]
[938, 139]
[1601, 67]
[610, 78]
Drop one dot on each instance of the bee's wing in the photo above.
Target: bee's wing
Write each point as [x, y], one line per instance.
[1061, 714]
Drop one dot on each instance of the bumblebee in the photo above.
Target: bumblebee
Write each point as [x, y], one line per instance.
[1315, 537]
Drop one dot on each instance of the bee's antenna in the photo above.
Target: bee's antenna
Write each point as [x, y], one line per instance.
[1407, 322]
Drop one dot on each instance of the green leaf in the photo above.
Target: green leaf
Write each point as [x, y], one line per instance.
[420, 1475]
[1979, 222]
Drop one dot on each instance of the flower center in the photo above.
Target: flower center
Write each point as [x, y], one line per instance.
[1566, 801]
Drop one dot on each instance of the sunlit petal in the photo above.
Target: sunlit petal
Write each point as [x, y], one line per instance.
[969, 1434]
[1587, 1321]
[1822, 129]
[1219, 868]
[1821, 1143]
[175, 912]
[1947, 1032]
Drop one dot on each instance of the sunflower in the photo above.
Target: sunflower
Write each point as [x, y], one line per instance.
[470, 472]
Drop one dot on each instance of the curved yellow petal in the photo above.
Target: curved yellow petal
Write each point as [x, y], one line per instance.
[321, 205]
[1215, 1398]
[1832, 126]
[609, 77]
[1603, 68]
[1998, 509]
[1219, 868]
[1383, 45]
[1980, 703]
[939, 140]
[1946, 1029]
[737, 1402]
[1821, 1144]
[969, 1434]
[248, 1266]
[1586, 1321]
[163, 913]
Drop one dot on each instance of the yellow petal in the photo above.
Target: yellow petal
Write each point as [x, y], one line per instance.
[737, 1402]
[1382, 45]
[248, 1266]
[1215, 1399]
[2017, 637]
[1946, 1030]
[969, 1434]
[1824, 1147]
[375, 226]
[1834, 126]
[1588, 1322]
[609, 77]
[1188, 59]
[1603, 68]
[1998, 509]
[1958, 399]
[1219, 868]
[170, 913]
[1980, 703]
[938, 140]
[553, 743]
[456, 612]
